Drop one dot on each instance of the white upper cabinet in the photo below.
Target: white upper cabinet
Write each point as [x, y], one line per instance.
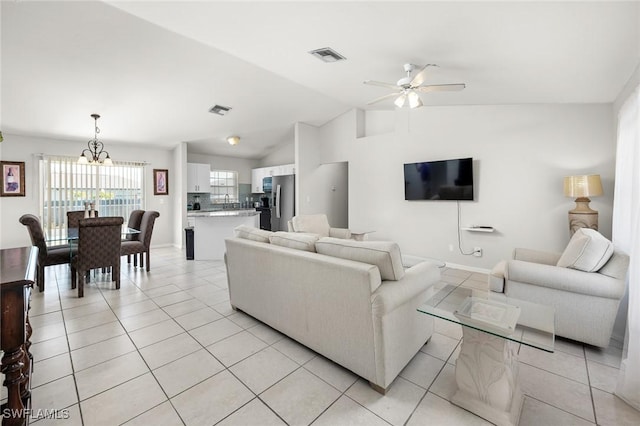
[262, 172]
[256, 180]
[198, 177]
[287, 169]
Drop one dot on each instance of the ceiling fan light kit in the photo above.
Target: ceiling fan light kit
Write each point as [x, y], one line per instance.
[407, 87]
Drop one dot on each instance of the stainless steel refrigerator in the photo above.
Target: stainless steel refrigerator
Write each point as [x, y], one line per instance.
[282, 201]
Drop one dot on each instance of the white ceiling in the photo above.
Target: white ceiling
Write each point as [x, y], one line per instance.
[153, 69]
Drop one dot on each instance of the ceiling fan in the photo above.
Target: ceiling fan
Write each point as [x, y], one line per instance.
[406, 88]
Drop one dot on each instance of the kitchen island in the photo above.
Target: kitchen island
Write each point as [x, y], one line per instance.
[210, 228]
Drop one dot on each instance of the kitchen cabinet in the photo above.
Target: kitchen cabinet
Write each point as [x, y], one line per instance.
[262, 172]
[198, 177]
[256, 179]
[287, 169]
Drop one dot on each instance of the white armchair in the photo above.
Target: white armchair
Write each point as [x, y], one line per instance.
[317, 224]
[586, 303]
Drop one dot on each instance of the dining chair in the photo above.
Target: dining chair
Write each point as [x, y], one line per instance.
[135, 220]
[98, 247]
[142, 246]
[73, 217]
[47, 256]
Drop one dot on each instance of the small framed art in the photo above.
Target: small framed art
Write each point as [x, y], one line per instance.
[160, 182]
[12, 179]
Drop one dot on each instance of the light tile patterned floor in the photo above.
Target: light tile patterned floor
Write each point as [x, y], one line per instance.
[167, 349]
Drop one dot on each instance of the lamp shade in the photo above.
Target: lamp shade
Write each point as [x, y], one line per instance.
[582, 186]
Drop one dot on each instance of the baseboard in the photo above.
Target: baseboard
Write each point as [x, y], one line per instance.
[164, 246]
[467, 268]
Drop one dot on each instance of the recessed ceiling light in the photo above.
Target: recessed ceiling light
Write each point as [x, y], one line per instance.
[327, 54]
[233, 140]
[219, 109]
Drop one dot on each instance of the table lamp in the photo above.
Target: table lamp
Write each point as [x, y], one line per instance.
[582, 187]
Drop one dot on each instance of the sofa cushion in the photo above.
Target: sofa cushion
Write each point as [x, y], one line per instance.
[254, 234]
[383, 254]
[311, 223]
[587, 251]
[294, 240]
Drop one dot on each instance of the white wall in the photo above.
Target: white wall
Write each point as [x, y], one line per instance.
[308, 179]
[242, 165]
[521, 153]
[20, 148]
[179, 192]
[334, 193]
[283, 153]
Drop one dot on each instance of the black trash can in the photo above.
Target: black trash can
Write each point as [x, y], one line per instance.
[189, 241]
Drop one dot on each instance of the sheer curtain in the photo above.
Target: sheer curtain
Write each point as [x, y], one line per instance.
[626, 236]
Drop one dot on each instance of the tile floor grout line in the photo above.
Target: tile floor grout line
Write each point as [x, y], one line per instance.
[593, 402]
[429, 387]
[75, 382]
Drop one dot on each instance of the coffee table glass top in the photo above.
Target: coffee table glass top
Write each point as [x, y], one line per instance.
[517, 320]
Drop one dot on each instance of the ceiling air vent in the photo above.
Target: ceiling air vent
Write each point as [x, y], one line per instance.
[219, 109]
[327, 54]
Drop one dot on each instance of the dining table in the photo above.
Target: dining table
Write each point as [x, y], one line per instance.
[72, 236]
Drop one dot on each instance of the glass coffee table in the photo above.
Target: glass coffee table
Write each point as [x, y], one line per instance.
[492, 329]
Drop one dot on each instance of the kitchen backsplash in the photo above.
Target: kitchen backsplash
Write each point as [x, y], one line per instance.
[244, 193]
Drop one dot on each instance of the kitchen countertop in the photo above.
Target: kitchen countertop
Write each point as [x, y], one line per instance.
[215, 213]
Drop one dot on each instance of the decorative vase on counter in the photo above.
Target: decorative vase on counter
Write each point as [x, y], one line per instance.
[92, 212]
[86, 209]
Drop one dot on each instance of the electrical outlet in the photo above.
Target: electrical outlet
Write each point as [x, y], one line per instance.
[477, 251]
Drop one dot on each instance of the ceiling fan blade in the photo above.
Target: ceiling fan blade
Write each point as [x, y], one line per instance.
[383, 98]
[418, 79]
[441, 88]
[381, 84]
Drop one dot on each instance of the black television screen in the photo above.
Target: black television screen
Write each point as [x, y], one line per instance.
[439, 180]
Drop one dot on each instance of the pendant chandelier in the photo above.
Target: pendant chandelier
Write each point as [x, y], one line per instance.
[95, 150]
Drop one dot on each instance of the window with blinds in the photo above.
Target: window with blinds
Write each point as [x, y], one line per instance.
[66, 186]
[224, 182]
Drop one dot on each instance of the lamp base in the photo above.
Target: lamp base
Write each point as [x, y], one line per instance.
[582, 216]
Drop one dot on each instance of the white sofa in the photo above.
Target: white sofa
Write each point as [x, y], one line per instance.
[340, 308]
[584, 285]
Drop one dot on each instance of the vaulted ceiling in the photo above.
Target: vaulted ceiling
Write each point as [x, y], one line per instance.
[153, 69]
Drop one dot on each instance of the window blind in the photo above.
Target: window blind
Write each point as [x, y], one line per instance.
[66, 186]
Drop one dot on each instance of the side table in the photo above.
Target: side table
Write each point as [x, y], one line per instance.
[17, 276]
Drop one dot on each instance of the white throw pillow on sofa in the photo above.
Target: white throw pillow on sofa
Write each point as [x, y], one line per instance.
[254, 234]
[383, 254]
[587, 251]
[294, 240]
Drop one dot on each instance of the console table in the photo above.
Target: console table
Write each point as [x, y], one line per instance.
[487, 367]
[17, 276]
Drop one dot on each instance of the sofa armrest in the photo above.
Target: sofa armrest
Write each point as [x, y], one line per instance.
[392, 294]
[536, 256]
[343, 233]
[565, 279]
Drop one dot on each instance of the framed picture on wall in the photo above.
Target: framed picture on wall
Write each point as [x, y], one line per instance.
[12, 179]
[160, 182]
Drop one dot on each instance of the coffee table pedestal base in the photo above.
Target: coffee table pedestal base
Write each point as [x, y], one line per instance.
[487, 377]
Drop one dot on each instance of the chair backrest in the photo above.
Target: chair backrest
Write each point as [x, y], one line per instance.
[313, 223]
[73, 218]
[99, 242]
[36, 233]
[135, 221]
[146, 227]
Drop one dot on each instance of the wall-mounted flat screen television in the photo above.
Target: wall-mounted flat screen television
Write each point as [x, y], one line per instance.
[439, 180]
